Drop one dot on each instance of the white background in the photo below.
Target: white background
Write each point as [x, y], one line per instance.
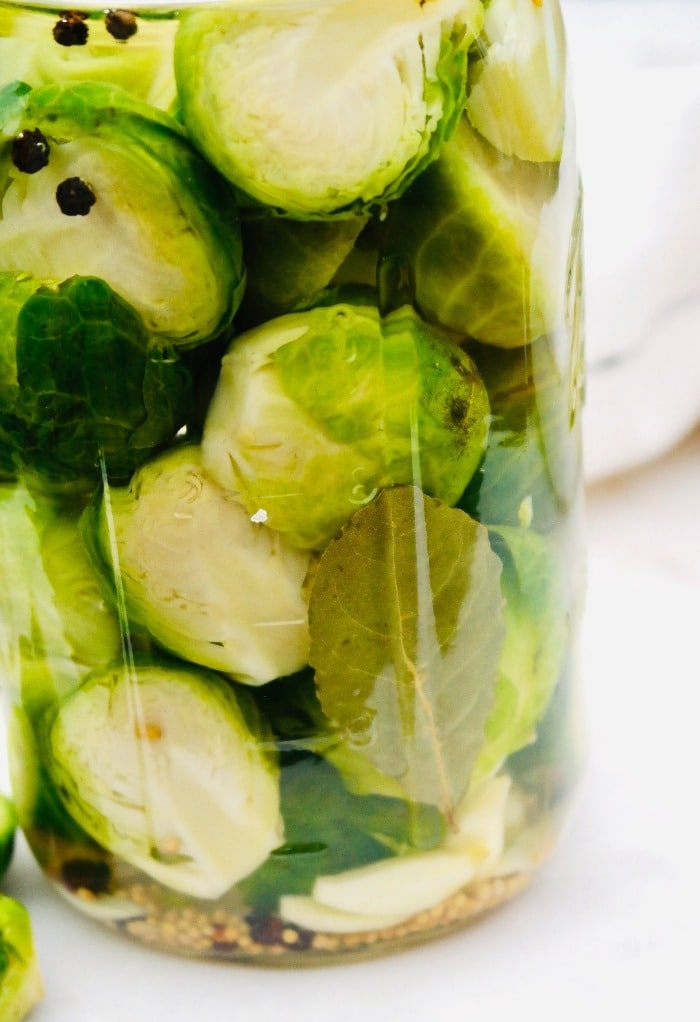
[611, 928]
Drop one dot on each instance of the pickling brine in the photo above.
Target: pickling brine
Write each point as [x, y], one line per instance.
[290, 387]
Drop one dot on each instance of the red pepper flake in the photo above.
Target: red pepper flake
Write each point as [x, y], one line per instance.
[121, 24]
[71, 28]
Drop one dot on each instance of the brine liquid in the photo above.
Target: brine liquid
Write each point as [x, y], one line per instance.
[63, 620]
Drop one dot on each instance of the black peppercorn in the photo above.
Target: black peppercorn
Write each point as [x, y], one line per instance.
[75, 197]
[121, 24]
[71, 29]
[30, 151]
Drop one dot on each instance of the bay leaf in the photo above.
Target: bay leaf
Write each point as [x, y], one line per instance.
[406, 630]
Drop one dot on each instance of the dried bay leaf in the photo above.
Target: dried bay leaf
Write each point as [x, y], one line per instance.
[406, 631]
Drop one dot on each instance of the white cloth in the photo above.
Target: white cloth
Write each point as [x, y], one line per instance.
[636, 76]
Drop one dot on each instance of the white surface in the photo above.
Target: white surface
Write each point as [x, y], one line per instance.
[611, 928]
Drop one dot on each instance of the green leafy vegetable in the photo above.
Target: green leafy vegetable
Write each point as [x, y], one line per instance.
[315, 411]
[406, 632]
[354, 99]
[93, 394]
[140, 209]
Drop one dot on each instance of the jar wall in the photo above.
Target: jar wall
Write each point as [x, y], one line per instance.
[290, 499]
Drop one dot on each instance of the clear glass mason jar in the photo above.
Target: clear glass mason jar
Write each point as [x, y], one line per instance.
[290, 388]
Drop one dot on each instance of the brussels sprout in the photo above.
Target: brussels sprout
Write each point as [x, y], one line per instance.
[207, 582]
[517, 90]
[326, 108]
[84, 390]
[486, 242]
[97, 183]
[30, 52]
[8, 826]
[21, 985]
[315, 411]
[165, 766]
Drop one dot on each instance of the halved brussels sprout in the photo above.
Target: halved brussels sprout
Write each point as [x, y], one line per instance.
[316, 411]
[97, 183]
[324, 108]
[517, 91]
[206, 581]
[21, 986]
[164, 766]
[31, 52]
[486, 239]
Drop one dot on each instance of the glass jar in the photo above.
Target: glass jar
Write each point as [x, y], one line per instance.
[290, 386]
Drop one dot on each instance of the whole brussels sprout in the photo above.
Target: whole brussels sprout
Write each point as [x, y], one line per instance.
[316, 411]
